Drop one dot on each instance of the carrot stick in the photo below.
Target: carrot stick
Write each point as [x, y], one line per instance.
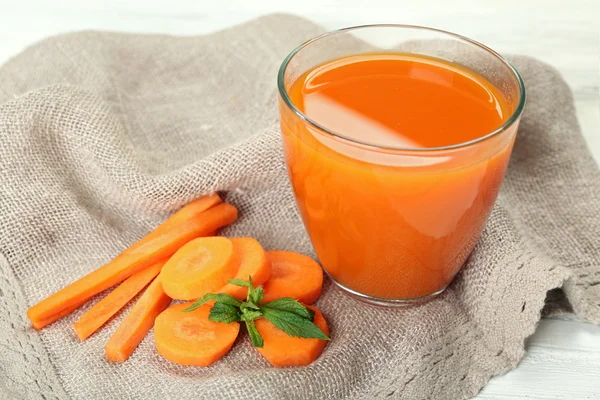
[190, 338]
[187, 212]
[253, 262]
[41, 323]
[97, 316]
[143, 254]
[283, 350]
[293, 275]
[201, 266]
[137, 323]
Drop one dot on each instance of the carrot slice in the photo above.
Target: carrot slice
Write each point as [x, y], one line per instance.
[293, 275]
[253, 262]
[201, 266]
[137, 323]
[283, 350]
[190, 338]
[141, 255]
[97, 316]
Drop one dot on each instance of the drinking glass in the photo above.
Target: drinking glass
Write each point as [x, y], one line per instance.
[390, 225]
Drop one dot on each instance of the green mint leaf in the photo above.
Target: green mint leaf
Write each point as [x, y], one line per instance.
[290, 305]
[249, 305]
[250, 290]
[293, 324]
[222, 312]
[218, 297]
[250, 315]
[239, 282]
[257, 295]
[255, 337]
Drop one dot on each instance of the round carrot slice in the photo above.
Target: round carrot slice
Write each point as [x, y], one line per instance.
[293, 275]
[201, 266]
[253, 262]
[190, 338]
[283, 350]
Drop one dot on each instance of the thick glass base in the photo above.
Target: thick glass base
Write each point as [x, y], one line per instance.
[381, 301]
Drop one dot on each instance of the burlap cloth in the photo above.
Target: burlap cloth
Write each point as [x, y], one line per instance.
[103, 135]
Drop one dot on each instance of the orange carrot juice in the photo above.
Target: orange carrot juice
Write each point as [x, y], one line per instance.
[391, 198]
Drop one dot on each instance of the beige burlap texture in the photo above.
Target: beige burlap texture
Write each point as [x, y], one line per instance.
[103, 135]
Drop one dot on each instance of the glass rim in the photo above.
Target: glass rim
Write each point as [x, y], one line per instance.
[505, 125]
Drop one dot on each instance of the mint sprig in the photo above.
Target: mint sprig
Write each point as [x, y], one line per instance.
[286, 314]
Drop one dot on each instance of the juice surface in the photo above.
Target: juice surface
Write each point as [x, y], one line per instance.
[396, 225]
[399, 101]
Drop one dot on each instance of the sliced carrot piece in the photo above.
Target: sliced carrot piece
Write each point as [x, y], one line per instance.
[201, 266]
[283, 350]
[141, 255]
[190, 338]
[97, 316]
[253, 262]
[293, 275]
[137, 323]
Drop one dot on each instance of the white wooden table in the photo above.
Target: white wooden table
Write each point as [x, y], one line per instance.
[563, 356]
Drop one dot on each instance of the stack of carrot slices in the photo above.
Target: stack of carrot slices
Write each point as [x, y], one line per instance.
[182, 260]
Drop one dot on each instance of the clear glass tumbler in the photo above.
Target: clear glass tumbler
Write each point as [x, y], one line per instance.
[390, 225]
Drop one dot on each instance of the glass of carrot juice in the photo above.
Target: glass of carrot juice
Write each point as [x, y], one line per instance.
[396, 141]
